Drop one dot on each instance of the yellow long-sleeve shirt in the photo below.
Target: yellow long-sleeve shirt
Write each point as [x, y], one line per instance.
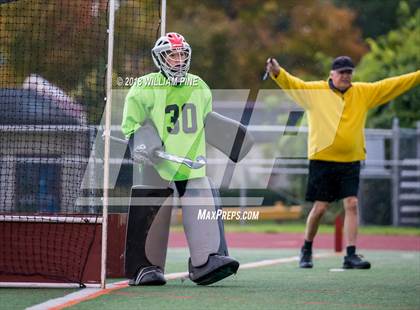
[336, 121]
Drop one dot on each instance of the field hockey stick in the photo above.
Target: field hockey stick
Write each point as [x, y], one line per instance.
[193, 164]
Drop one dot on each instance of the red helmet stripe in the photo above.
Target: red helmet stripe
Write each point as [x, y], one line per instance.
[176, 40]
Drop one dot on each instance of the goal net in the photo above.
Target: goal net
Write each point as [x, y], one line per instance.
[53, 64]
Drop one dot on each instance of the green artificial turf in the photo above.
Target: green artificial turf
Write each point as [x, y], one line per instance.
[392, 283]
[21, 298]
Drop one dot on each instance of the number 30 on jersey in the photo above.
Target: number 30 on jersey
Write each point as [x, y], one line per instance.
[189, 118]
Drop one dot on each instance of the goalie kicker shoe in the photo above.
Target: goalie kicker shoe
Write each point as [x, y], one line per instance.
[355, 261]
[150, 275]
[217, 268]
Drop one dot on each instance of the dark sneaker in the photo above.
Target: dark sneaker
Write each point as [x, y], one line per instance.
[151, 275]
[305, 259]
[355, 261]
[217, 268]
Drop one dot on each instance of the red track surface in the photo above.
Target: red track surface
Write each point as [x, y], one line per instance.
[294, 241]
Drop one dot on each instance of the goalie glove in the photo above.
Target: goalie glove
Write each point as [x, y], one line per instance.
[144, 143]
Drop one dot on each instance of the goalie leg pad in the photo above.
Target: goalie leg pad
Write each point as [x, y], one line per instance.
[228, 136]
[147, 228]
[209, 261]
[204, 236]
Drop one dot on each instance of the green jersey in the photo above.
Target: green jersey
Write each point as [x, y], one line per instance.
[178, 112]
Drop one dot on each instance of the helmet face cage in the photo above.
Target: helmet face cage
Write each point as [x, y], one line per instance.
[172, 55]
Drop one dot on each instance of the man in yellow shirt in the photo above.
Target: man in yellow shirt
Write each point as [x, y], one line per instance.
[336, 111]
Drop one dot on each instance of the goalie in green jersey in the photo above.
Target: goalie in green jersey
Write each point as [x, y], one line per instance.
[167, 111]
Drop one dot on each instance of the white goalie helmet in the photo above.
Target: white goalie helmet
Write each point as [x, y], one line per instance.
[172, 55]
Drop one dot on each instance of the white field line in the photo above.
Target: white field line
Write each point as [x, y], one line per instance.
[44, 285]
[89, 293]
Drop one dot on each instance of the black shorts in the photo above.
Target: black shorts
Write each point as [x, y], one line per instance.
[331, 181]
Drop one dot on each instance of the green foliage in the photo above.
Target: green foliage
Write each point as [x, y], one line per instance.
[133, 41]
[392, 54]
[59, 49]
[376, 18]
[231, 40]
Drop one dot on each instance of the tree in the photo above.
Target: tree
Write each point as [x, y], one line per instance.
[231, 40]
[59, 40]
[375, 18]
[392, 54]
[136, 23]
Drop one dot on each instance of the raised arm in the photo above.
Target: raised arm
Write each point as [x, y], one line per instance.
[287, 81]
[296, 88]
[284, 79]
[383, 91]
